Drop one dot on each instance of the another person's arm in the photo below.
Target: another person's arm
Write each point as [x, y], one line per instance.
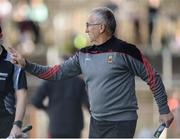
[20, 86]
[140, 66]
[21, 98]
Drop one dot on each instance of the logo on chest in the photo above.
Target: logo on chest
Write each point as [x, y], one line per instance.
[3, 76]
[110, 59]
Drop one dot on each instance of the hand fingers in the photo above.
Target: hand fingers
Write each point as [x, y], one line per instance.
[19, 136]
[13, 53]
[12, 50]
[22, 135]
[14, 61]
[168, 123]
[16, 135]
[12, 136]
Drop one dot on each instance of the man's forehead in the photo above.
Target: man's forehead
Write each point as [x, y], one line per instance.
[92, 17]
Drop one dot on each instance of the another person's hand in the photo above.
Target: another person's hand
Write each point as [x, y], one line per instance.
[17, 58]
[15, 132]
[166, 118]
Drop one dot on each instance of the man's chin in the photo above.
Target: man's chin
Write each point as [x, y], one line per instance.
[91, 40]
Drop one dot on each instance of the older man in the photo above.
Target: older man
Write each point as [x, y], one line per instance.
[109, 67]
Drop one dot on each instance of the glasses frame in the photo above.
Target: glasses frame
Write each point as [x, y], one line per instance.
[92, 24]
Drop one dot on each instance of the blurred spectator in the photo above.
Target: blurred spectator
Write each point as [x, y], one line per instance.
[65, 106]
[129, 16]
[65, 97]
[27, 28]
[153, 8]
[176, 43]
[5, 9]
[39, 11]
[135, 15]
[27, 15]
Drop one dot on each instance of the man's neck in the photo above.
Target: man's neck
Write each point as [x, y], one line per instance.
[1, 49]
[102, 40]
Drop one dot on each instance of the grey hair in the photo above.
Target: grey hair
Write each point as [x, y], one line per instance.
[106, 16]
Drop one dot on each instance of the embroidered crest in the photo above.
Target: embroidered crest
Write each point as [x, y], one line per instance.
[109, 60]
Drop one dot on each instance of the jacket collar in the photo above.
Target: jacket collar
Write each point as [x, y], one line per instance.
[4, 53]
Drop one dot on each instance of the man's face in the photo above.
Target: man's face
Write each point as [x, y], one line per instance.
[93, 28]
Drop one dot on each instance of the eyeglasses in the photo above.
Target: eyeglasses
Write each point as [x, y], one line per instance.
[91, 24]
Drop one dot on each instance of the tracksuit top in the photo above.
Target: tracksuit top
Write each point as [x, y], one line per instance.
[109, 71]
[12, 78]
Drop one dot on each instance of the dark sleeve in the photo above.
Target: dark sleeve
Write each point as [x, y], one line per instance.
[19, 79]
[84, 98]
[39, 95]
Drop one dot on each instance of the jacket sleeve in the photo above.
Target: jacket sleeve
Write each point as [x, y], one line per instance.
[68, 69]
[140, 66]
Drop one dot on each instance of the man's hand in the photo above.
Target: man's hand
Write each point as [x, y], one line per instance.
[166, 118]
[16, 132]
[17, 58]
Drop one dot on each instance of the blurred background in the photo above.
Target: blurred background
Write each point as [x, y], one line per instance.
[45, 30]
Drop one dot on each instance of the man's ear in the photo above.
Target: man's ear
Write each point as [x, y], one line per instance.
[102, 28]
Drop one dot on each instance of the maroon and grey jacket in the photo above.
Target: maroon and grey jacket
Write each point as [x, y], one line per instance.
[109, 71]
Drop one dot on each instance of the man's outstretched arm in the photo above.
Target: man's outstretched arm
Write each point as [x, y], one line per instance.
[68, 69]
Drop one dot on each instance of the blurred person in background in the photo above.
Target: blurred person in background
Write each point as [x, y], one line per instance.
[153, 9]
[65, 101]
[28, 15]
[13, 95]
[5, 10]
[109, 67]
[66, 98]
[28, 29]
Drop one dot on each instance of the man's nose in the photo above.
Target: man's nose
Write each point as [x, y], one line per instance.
[86, 30]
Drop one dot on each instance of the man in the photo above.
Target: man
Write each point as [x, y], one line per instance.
[109, 68]
[64, 109]
[12, 92]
